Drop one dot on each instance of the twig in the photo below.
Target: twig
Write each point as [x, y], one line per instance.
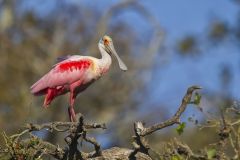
[93, 141]
[184, 149]
[16, 136]
[80, 131]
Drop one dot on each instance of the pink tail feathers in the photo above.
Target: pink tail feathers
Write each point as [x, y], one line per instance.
[40, 87]
[51, 94]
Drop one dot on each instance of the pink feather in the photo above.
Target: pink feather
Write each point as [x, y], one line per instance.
[63, 73]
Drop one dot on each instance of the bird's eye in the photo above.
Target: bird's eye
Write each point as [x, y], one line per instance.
[106, 42]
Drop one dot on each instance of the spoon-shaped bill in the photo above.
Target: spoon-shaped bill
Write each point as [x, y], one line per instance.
[120, 62]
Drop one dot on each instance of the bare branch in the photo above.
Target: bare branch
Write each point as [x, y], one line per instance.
[142, 131]
[140, 144]
[57, 126]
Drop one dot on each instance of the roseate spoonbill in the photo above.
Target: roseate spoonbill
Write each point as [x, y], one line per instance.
[74, 74]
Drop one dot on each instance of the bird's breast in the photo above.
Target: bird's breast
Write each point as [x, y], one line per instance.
[104, 70]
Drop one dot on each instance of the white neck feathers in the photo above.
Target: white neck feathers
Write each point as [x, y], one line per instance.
[105, 61]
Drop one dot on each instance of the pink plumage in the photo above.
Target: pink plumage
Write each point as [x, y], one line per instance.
[66, 76]
[63, 73]
[74, 74]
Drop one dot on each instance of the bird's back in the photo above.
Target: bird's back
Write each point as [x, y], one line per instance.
[63, 73]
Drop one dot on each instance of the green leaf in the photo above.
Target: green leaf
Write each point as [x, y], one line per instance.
[197, 99]
[211, 153]
[176, 157]
[180, 128]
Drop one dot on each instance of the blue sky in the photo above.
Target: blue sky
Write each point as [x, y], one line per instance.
[179, 18]
[188, 16]
[176, 17]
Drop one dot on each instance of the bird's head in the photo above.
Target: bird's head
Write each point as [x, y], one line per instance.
[107, 45]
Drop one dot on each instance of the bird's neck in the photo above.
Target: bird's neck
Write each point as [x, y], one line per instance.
[105, 61]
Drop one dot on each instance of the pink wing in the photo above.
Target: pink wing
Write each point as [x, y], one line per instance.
[62, 73]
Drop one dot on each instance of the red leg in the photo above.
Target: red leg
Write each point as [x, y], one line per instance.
[71, 112]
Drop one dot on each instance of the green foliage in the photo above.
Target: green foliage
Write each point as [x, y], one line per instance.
[180, 128]
[196, 100]
[19, 149]
[211, 153]
[176, 157]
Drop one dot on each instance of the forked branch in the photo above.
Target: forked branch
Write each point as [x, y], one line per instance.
[141, 131]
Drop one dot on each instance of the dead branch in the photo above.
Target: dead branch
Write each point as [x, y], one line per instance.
[58, 126]
[142, 131]
[140, 143]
